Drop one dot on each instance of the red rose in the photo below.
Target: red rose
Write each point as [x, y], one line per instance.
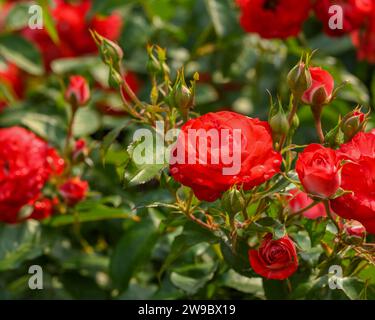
[251, 158]
[73, 24]
[25, 166]
[321, 89]
[78, 90]
[318, 170]
[300, 200]
[275, 259]
[355, 13]
[274, 18]
[43, 209]
[11, 77]
[74, 190]
[358, 176]
[364, 40]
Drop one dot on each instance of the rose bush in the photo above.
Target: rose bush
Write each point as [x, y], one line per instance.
[96, 186]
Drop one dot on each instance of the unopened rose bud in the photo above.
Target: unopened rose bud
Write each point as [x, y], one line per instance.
[78, 91]
[321, 89]
[183, 97]
[74, 190]
[299, 79]
[232, 201]
[353, 123]
[278, 121]
[355, 232]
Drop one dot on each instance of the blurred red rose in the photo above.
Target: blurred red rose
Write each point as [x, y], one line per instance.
[275, 259]
[354, 228]
[252, 149]
[355, 13]
[73, 24]
[318, 170]
[364, 40]
[43, 208]
[358, 176]
[74, 190]
[321, 89]
[300, 200]
[26, 163]
[78, 90]
[11, 77]
[274, 18]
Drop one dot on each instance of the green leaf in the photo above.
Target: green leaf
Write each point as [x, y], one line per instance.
[136, 173]
[110, 138]
[68, 65]
[238, 282]
[22, 53]
[352, 287]
[86, 122]
[89, 211]
[19, 243]
[191, 235]
[18, 17]
[131, 252]
[49, 24]
[222, 16]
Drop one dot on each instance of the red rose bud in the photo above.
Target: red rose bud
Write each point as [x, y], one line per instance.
[287, 15]
[27, 163]
[299, 79]
[353, 123]
[207, 170]
[300, 200]
[358, 176]
[321, 89]
[275, 259]
[43, 209]
[74, 190]
[355, 232]
[318, 169]
[78, 91]
[80, 150]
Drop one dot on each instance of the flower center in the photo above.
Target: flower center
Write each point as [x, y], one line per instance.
[271, 4]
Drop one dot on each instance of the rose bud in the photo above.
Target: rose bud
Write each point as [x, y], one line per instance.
[318, 169]
[300, 200]
[80, 150]
[354, 122]
[78, 91]
[43, 208]
[232, 201]
[355, 232]
[299, 79]
[74, 190]
[275, 259]
[321, 89]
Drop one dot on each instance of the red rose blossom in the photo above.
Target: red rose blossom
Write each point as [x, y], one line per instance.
[354, 228]
[355, 13]
[78, 90]
[364, 40]
[258, 161]
[11, 77]
[74, 190]
[26, 163]
[300, 200]
[73, 24]
[358, 176]
[275, 259]
[321, 89]
[274, 18]
[318, 170]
